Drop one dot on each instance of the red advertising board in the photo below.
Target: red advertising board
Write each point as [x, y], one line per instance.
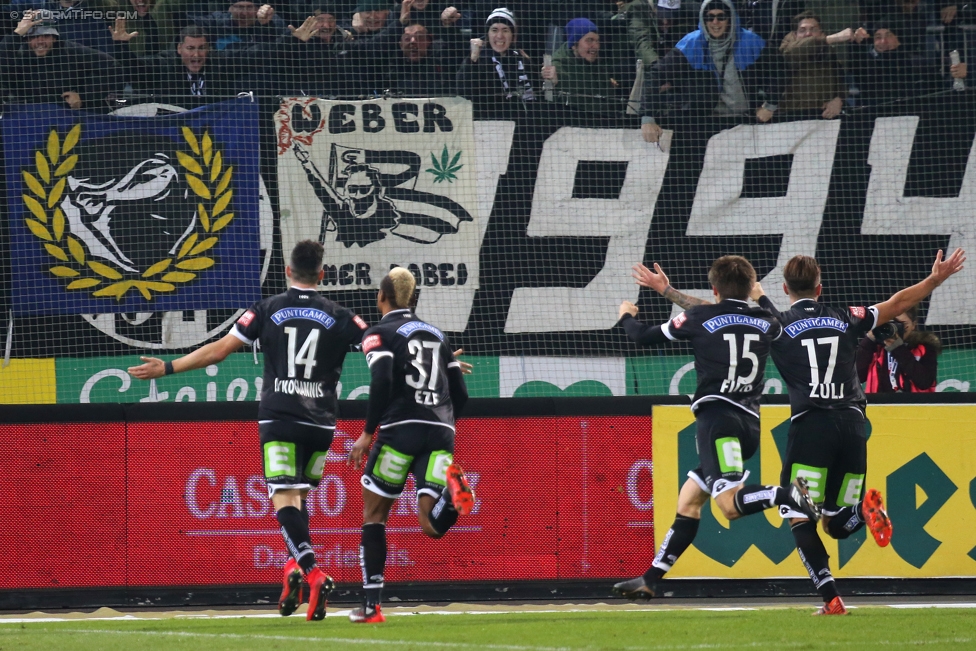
[184, 503]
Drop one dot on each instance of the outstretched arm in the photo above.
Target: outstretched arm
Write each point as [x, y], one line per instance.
[212, 353]
[910, 296]
[658, 281]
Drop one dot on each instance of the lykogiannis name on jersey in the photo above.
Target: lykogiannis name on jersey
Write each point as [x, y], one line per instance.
[308, 313]
[795, 329]
[725, 320]
[411, 327]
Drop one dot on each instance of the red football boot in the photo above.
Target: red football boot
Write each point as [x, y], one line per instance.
[876, 518]
[320, 585]
[461, 494]
[835, 607]
[291, 591]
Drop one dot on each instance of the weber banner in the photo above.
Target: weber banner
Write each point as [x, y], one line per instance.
[113, 214]
[385, 183]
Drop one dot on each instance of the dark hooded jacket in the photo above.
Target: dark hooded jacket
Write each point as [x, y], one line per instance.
[687, 79]
[28, 78]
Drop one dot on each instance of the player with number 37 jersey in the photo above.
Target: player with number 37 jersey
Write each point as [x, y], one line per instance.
[415, 392]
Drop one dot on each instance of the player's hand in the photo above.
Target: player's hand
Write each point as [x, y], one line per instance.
[626, 308]
[72, 99]
[466, 369]
[655, 280]
[359, 450]
[756, 292]
[942, 269]
[150, 370]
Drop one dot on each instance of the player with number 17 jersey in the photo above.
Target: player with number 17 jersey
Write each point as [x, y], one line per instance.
[816, 354]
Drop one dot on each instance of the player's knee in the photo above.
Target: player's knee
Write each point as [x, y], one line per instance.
[729, 511]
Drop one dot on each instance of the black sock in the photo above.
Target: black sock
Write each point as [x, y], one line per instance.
[756, 498]
[815, 559]
[372, 558]
[443, 515]
[294, 529]
[847, 521]
[305, 511]
[676, 541]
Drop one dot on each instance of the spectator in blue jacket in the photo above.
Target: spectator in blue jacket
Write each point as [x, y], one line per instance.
[720, 70]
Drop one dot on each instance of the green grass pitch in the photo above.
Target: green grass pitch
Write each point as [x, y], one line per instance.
[673, 630]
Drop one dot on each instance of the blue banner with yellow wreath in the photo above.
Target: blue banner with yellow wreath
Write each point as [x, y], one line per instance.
[132, 214]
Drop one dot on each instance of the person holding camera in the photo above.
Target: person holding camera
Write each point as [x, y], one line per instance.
[897, 356]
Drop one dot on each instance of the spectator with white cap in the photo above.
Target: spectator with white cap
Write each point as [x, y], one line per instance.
[498, 81]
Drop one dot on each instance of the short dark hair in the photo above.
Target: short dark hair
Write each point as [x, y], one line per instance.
[806, 15]
[306, 261]
[192, 31]
[802, 275]
[732, 276]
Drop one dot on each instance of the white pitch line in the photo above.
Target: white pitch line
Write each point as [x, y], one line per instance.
[512, 647]
[413, 613]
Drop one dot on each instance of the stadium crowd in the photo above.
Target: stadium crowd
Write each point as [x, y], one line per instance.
[771, 59]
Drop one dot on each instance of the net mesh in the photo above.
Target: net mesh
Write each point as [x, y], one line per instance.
[519, 180]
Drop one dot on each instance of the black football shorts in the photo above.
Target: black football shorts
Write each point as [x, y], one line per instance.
[726, 437]
[418, 448]
[294, 454]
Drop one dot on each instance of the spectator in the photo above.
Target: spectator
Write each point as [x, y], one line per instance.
[75, 24]
[242, 25]
[579, 73]
[906, 17]
[438, 18]
[905, 360]
[719, 70]
[887, 72]
[148, 41]
[190, 73]
[816, 81]
[499, 81]
[370, 18]
[642, 28]
[312, 60]
[419, 71]
[673, 22]
[39, 67]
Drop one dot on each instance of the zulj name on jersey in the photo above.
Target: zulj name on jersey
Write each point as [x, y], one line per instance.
[300, 388]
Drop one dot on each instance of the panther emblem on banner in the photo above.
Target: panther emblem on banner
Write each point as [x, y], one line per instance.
[116, 218]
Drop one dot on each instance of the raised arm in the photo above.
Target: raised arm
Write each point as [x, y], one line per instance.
[658, 281]
[910, 296]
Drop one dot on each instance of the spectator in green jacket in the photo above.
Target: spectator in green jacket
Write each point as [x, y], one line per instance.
[642, 30]
[577, 71]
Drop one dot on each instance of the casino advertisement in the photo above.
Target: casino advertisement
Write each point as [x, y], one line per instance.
[921, 457]
[182, 504]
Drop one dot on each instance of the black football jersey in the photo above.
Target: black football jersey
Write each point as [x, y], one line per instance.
[730, 341]
[304, 337]
[816, 354]
[423, 363]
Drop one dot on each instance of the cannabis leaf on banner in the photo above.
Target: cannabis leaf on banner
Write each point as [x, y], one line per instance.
[445, 169]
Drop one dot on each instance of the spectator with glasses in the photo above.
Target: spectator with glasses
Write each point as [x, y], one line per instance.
[716, 76]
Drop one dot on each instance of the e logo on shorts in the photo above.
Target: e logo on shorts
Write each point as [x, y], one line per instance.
[437, 467]
[392, 466]
[729, 453]
[279, 459]
[816, 479]
[316, 465]
[850, 490]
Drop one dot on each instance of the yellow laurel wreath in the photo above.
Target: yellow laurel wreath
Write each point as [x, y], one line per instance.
[204, 173]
